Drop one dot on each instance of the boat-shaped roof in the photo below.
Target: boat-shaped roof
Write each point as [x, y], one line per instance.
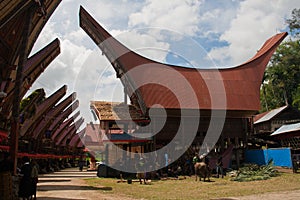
[149, 83]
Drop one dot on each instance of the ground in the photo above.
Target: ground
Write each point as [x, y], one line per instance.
[68, 184]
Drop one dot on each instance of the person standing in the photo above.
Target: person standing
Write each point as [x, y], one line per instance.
[220, 167]
[34, 177]
[295, 164]
[25, 187]
[80, 164]
[141, 174]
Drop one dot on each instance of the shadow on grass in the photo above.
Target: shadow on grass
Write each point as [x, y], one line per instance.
[210, 181]
[54, 176]
[206, 181]
[71, 187]
[55, 198]
[51, 180]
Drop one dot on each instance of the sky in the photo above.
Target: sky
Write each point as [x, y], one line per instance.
[191, 33]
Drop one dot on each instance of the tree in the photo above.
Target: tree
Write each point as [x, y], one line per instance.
[281, 83]
[294, 22]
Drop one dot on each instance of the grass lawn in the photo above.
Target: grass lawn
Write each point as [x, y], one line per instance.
[190, 189]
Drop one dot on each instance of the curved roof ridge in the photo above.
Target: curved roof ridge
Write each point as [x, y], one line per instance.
[235, 88]
[105, 38]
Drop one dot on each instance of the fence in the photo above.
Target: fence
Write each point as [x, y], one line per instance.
[280, 156]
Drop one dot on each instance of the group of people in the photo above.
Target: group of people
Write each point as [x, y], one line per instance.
[205, 159]
[29, 179]
[185, 166]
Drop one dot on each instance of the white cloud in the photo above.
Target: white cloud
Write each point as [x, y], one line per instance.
[243, 25]
[255, 22]
[175, 15]
[143, 43]
[48, 34]
[73, 54]
[96, 80]
[215, 17]
[113, 13]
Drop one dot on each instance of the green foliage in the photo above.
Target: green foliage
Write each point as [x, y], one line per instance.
[27, 105]
[253, 172]
[294, 22]
[281, 84]
[296, 99]
[282, 77]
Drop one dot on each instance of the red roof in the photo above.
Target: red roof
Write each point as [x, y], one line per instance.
[76, 140]
[93, 135]
[30, 124]
[13, 24]
[176, 87]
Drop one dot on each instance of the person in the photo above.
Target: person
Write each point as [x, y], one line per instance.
[295, 164]
[141, 174]
[25, 187]
[206, 160]
[34, 177]
[188, 166]
[220, 167]
[166, 159]
[80, 164]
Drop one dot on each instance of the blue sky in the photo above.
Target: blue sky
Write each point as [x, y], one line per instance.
[197, 33]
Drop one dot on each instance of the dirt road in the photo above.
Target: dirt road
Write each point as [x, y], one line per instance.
[68, 185]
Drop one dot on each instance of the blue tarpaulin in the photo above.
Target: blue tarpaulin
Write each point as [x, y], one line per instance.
[280, 156]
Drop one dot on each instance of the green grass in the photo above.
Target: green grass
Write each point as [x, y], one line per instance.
[190, 189]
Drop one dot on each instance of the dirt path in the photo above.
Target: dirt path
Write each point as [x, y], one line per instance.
[288, 195]
[68, 185]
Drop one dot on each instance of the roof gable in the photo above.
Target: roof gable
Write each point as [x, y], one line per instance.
[266, 116]
[287, 129]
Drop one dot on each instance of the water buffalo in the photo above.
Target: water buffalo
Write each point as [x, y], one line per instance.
[202, 170]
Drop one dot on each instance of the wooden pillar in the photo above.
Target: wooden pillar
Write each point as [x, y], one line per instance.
[106, 156]
[125, 151]
[154, 136]
[129, 149]
[125, 96]
[15, 125]
[183, 131]
[237, 157]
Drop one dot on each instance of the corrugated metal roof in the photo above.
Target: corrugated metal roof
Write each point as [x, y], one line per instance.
[176, 87]
[266, 116]
[286, 129]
